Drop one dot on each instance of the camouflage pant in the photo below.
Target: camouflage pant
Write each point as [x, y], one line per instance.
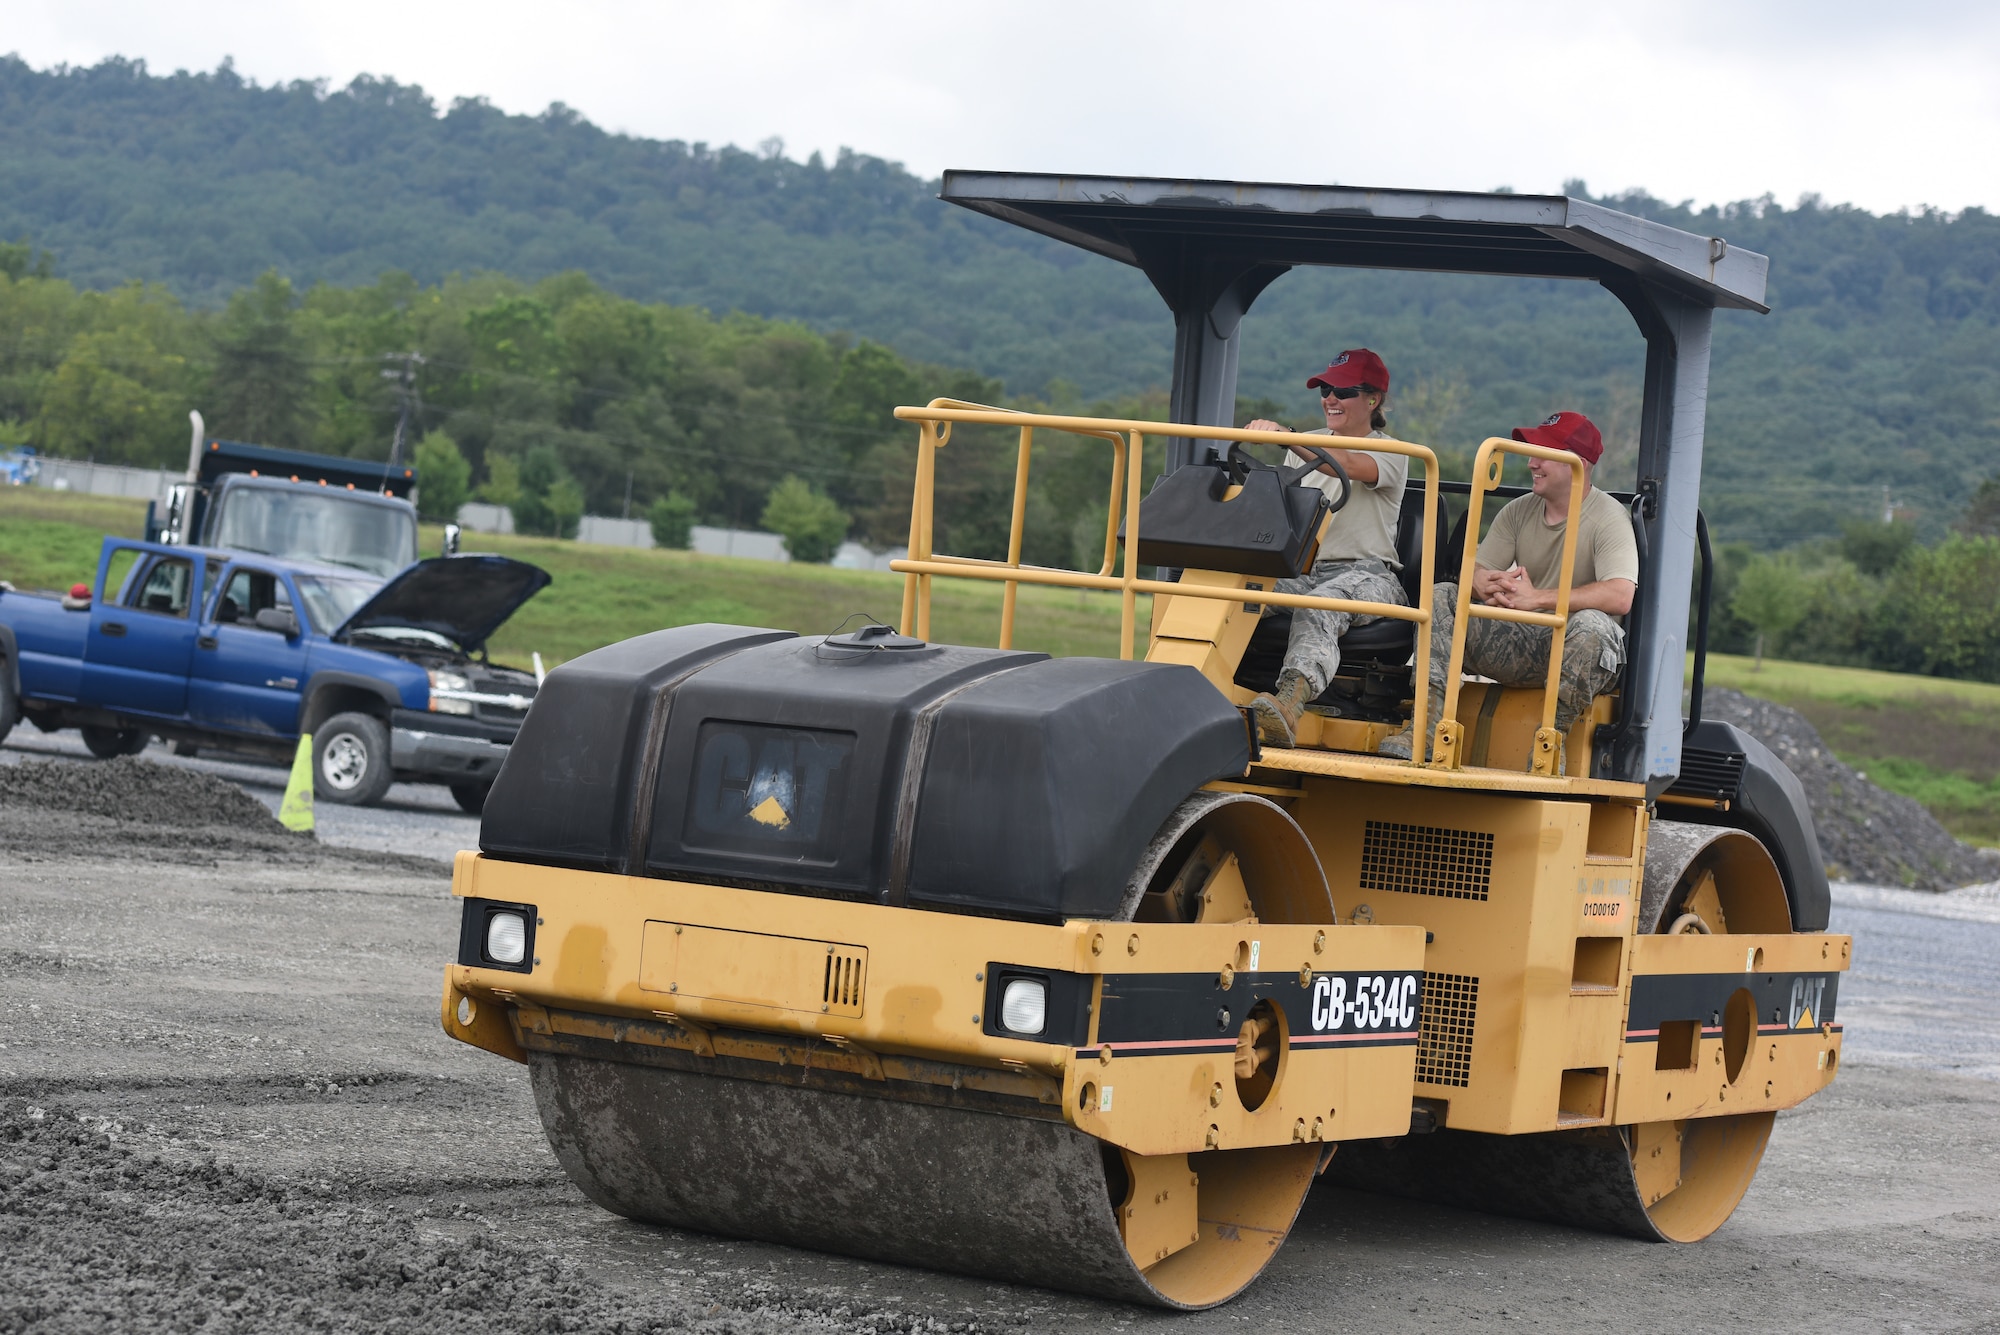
[1515, 654]
[1314, 650]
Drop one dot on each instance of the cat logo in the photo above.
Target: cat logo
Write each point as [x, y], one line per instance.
[1807, 996]
[756, 785]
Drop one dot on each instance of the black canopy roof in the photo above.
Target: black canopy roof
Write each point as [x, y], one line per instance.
[1160, 224]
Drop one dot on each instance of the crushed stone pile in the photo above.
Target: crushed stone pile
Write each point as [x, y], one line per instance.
[134, 810]
[131, 789]
[1866, 833]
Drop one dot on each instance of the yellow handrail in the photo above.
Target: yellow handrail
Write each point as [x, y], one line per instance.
[1486, 468]
[1127, 438]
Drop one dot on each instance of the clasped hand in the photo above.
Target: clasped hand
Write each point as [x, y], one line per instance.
[1511, 588]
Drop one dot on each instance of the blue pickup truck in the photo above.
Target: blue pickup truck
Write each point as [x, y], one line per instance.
[243, 651]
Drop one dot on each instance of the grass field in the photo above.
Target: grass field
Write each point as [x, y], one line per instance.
[1930, 738]
[602, 594]
[1933, 739]
[50, 539]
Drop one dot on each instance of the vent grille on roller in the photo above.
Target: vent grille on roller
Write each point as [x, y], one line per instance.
[1709, 776]
[846, 976]
[1444, 1032]
[1425, 860]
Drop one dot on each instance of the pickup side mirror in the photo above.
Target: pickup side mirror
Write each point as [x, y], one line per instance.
[279, 619]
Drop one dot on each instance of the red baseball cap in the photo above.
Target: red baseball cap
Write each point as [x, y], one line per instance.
[1565, 431]
[1356, 366]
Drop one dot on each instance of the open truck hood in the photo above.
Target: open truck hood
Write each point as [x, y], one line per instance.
[463, 598]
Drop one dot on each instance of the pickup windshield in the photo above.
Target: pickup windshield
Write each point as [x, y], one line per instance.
[313, 526]
[331, 601]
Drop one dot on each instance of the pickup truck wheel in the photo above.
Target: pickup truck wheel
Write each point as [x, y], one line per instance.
[471, 797]
[108, 743]
[351, 760]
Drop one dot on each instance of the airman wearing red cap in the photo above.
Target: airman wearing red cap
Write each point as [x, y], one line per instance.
[1357, 554]
[1519, 565]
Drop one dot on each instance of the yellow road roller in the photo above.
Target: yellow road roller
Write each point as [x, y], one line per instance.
[1044, 969]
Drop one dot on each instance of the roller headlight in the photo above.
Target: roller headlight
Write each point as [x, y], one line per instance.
[507, 939]
[446, 687]
[1024, 1006]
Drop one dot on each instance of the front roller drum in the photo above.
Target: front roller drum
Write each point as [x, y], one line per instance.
[1026, 1198]
[1011, 1198]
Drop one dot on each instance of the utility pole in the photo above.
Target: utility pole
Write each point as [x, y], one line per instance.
[405, 377]
[627, 513]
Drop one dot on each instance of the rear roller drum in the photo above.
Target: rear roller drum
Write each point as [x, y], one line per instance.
[1022, 1198]
[1689, 1176]
[1661, 1181]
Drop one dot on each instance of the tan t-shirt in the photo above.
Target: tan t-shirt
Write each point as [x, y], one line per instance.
[1604, 545]
[1364, 528]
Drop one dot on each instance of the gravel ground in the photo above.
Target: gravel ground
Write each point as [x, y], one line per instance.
[1919, 993]
[1865, 833]
[226, 1105]
[414, 818]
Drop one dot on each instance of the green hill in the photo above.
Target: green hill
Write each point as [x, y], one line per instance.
[1880, 365]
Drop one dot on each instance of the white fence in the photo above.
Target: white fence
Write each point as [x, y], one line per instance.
[479, 517]
[608, 532]
[853, 556]
[742, 542]
[145, 484]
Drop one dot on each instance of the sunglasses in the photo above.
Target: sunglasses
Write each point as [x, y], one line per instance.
[1343, 392]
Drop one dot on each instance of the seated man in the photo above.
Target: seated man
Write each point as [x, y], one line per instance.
[1519, 565]
[1357, 555]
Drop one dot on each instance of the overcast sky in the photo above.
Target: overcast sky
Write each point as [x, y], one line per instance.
[1885, 106]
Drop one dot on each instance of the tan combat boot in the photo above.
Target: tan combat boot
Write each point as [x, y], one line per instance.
[1278, 713]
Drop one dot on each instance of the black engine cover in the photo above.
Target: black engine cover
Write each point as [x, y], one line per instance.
[976, 780]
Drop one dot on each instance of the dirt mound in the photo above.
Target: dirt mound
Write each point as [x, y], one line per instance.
[132, 810]
[1865, 833]
[130, 789]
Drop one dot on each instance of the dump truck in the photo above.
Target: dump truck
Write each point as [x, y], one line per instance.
[1043, 969]
[292, 505]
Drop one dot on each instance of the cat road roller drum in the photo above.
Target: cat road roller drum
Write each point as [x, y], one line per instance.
[959, 958]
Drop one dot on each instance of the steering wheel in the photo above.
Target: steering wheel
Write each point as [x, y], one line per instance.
[1320, 456]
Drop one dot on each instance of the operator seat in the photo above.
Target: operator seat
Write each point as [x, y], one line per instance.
[1375, 674]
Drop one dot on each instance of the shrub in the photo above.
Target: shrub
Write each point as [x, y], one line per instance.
[812, 525]
[444, 478]
[672, 517]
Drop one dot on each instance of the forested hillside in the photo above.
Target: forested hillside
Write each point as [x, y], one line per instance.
[1880, 365]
